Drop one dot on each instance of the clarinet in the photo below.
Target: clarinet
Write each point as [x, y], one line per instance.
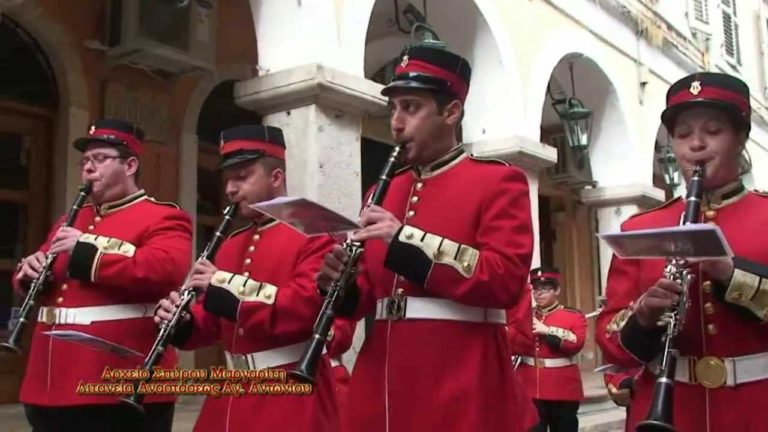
[36, 287]
[188, 295]
[660, 415]
[307, 365]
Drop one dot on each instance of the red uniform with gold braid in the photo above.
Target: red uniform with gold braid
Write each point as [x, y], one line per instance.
[720, 381]
[132, 253]
[437, 357]
[548, 368]
[261, 305]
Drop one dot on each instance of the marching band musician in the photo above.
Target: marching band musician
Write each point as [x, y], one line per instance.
[443, 259]
[124, 252]
[723, 346]
[260, 298]
[548, 369]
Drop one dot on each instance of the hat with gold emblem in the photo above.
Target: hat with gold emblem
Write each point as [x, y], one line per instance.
[545, 276]
[713, 89]
[430, 68]
[250, 142]
[113, 132]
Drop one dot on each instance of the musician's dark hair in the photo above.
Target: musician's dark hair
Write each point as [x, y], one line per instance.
[442, 99]
[125, 153]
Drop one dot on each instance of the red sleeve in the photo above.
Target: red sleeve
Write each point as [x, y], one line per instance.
[285, 310]
[621, 291]
[520, 325]
[579, 329]
[155, 266]
[490, 273]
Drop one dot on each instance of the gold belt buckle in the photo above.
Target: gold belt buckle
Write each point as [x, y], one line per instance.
[711, 372]
[395, 308]
[49, 315]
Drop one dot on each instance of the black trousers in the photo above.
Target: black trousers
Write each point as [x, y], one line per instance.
[557, 416]
[158, 417]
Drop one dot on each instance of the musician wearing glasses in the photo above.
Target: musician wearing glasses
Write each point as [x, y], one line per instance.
[124, 252]
[721, 351]
[259, 297]
[548, 367]
[446, 252]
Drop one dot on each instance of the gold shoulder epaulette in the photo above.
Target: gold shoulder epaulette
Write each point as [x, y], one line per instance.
[488, 159]
[239, 230]
[165, 203]
[658, 207]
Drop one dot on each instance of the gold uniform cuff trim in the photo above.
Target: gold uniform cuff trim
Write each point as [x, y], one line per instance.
[747, 289]
[562, 333]
[109, 245]
[244, 288]
[441, 250]
[618, 321]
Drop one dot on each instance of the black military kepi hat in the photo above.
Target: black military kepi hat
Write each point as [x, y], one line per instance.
[717, 90]
[545, 275]
[112, 131]
[250, 142]
[430, 68]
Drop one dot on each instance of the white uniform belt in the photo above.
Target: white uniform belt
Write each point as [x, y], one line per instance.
[715, 372]
[394, 308]
[548, 362]
[266, 359]
[89, 314]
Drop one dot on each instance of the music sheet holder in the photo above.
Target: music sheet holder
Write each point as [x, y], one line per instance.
[685, 241]
[94, 342]
[306, 216]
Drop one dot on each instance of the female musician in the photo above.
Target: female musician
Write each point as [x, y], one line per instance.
[723, 344]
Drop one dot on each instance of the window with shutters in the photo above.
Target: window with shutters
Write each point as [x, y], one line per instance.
[700, 9]
[731, 50]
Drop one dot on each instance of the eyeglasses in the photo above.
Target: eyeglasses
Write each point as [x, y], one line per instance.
[544, 288]
[97, 159]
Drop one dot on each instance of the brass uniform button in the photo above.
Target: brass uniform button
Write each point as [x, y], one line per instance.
[256, 236]
[437, 255]
[247, 261]
[466, 266]
[738, 295]
[97, 219]
[221, 279]
[268, 296]
[410, 213]
[709, 308]
[247, 274]
[419, 186]
[240, 331]
[60, 300]
[399, 292]
[91, 227]
[711, 329]
[251, 248]
[710, 214]
[409, 236]
[706, 286]
[64, 287]
[414, 199]
[241, 290]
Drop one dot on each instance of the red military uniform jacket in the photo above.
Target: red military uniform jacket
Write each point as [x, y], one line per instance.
[466, 238]
[567, 333]
[723, 320]
[341, 342]
[132, 253]
[521, 340]
[264, 297]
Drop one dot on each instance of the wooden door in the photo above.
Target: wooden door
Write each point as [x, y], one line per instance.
[24, 196]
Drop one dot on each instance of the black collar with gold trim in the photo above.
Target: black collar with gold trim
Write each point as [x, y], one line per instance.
[122, 203]
[551, 308]
[443, 163]
[725, 195]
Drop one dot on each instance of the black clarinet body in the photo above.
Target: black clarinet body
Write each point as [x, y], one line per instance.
[37, 286]
[168, 328]
[660, 415]
[306, 367]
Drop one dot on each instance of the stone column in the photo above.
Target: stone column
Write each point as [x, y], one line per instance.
[321, 111]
